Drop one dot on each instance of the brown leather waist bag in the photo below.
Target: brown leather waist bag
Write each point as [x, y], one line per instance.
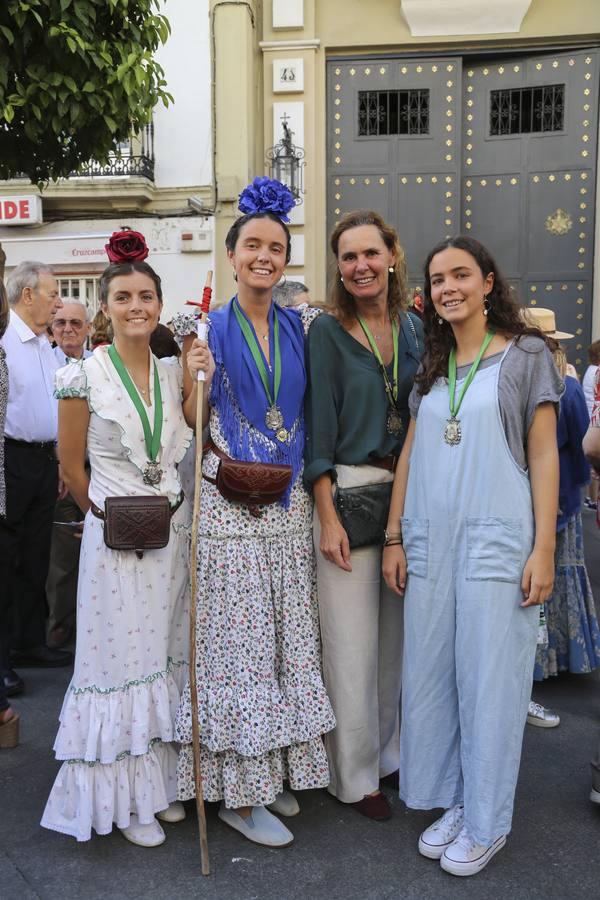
[137, 523]
[252, 484]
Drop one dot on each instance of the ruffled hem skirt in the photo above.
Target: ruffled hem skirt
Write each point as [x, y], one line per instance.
[262, 705]
[253, 781]
[117, 720]
[97, 795]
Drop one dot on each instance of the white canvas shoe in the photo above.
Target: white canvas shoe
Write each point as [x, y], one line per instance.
[150, 835]
[260, 827]
[285, 804]
[175, 812]
[444, 830]
[465, 856]
[541, 716]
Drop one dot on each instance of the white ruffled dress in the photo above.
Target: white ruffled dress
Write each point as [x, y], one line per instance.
[117, 720]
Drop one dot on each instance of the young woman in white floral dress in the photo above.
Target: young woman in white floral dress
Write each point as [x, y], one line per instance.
[117, 721]
[262, 704]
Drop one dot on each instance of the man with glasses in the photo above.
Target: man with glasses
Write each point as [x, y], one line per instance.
[70, 329]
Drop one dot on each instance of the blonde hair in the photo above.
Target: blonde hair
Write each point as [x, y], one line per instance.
[341, 302]
[101, 330]
[560, 360]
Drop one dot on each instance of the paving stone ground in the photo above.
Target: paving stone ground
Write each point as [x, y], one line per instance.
[552, 852]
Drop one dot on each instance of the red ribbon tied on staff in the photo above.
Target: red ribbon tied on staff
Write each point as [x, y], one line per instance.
[204, 304]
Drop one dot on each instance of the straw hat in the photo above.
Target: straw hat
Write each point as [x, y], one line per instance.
[545, 320]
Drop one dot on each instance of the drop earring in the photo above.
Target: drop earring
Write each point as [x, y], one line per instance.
[440, 320]
[486, 305]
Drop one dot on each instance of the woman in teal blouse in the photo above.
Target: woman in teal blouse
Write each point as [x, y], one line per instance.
[362, 360]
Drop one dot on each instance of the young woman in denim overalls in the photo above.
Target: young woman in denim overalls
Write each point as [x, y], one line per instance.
[470, 543]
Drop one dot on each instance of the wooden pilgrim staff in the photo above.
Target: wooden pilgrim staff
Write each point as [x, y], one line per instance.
[202, 329]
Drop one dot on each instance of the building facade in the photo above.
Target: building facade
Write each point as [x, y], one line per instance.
[160, 184]
[444, 117]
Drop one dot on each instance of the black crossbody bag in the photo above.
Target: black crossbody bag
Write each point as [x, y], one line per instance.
[363, 510]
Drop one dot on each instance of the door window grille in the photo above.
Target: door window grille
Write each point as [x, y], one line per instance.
[527, 110]
[84, 289]
[393, 112]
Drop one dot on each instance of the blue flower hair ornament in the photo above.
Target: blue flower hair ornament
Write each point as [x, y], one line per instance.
[267, 195]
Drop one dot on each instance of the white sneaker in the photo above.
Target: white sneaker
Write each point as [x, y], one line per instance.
[285, 804]
[440, 835]
[466, 857]
[175, 812]
[150, 835]
[260, 826]
[595, 796]
[541, 716]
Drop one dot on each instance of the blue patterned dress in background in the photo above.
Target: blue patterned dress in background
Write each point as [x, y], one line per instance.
[573, 634]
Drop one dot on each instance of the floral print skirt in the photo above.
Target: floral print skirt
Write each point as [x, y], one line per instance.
[117, 721]
[573, 633]
[262, 705]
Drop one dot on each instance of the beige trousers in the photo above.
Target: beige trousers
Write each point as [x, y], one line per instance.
[362, 634]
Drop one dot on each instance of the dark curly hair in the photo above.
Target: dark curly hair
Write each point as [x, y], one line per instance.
[504, 316]
[234, 232]
[341, 302]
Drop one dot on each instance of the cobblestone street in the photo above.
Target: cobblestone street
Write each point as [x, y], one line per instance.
[553, 849]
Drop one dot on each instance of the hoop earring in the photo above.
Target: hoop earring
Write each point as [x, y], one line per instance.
[282, 281]
[235, 276]
[486, 305]
[342, 278]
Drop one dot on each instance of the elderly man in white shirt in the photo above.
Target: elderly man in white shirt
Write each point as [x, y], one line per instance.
[70, 329]
[31, 472]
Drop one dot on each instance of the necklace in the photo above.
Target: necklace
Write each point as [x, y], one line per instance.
[273, 416]
[142, 390]
[453, 430]
[394, 424]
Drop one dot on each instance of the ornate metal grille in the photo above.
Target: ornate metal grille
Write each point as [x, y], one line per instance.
[133, 157]
[527, 110]
[393, 112]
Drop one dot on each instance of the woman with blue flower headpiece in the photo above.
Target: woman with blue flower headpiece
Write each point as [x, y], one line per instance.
[262, 705]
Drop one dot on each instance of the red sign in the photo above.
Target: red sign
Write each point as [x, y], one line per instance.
[24, 210]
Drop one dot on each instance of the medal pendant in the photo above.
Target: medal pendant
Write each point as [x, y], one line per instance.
[282, 435]
[152, 473]
[452, 432]
[394, 423]
[274, 418]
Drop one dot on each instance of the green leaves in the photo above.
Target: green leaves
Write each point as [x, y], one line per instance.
[76, 76]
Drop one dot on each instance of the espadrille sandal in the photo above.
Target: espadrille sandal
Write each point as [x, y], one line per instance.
[9, 733]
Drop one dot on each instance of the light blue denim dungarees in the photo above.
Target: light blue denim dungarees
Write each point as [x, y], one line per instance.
[469, 646]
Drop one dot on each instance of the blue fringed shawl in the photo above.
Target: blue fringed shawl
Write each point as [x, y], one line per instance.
[238, 395]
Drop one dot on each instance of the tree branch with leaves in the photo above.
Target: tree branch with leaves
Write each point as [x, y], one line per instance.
[77, 77]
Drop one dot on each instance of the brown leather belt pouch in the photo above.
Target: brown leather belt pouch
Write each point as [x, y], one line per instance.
[137, 523]
[252, 484]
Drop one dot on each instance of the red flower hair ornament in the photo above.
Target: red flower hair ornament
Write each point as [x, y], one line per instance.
[126, 246]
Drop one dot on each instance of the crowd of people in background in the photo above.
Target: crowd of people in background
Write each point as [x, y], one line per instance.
[431, 453]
